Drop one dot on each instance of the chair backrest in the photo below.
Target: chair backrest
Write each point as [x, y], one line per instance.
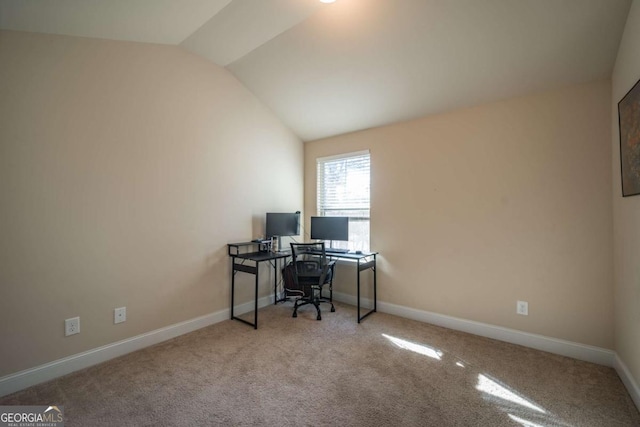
[310, 263]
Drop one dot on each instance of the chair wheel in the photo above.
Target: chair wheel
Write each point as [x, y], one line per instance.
[333, 309]
[294, 315]
[319, 317]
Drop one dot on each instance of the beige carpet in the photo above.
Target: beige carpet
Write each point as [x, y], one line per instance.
[385, 371]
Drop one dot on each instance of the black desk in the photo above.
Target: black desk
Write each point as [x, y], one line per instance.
[238, 263]
[364, 261]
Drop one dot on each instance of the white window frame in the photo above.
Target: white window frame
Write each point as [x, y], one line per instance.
[360, 205]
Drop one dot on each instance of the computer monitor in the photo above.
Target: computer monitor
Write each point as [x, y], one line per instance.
[330, 228]
[282, 224]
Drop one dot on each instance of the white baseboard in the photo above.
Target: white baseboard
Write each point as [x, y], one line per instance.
[23, 379]
[627, 380]
[579, 351]
[20, 380]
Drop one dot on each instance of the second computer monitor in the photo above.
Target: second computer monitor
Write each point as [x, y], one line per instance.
[330, 228]
[282, 224]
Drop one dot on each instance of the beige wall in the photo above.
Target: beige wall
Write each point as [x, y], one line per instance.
[478, 208]
[626, 211]
[125, 168]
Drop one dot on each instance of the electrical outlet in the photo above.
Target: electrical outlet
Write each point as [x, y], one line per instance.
[522, 307]
[120, 315]
[71, 326]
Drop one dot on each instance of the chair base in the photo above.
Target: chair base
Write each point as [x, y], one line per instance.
[316, 303]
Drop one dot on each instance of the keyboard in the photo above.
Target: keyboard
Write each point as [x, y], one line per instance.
[336, 251]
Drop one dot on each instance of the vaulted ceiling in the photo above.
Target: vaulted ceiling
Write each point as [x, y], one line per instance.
[327, 69]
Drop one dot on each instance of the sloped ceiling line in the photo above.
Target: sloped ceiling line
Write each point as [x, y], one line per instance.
[327, 69]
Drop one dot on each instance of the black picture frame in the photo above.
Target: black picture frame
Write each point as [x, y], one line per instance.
[629, 127]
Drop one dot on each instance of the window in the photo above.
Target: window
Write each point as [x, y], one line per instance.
[343, 190]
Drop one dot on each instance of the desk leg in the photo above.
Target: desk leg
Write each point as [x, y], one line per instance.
[331, 284]
[235, 268]
[275, 282]
[255, 308]
[375, 284]
[233, 283]
[358, 267]
[366, 266]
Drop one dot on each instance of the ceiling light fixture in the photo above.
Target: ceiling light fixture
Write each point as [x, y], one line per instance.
[327, 1]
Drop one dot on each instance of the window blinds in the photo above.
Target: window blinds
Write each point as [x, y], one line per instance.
[344, 185]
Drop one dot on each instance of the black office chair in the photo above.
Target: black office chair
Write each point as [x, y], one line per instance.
[311, 272]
